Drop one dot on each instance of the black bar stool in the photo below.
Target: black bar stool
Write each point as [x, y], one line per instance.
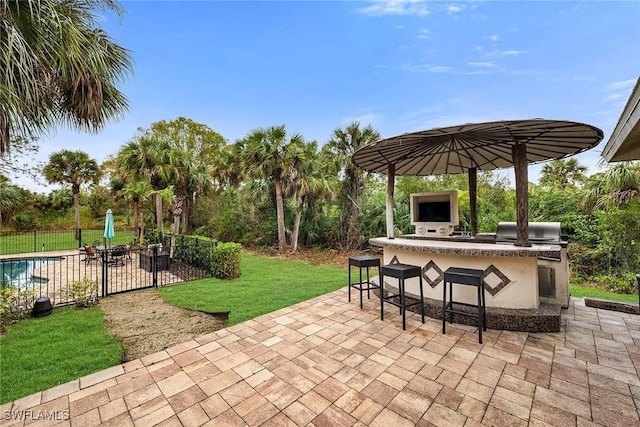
[469, 277]
[364, 261]
[400, 272]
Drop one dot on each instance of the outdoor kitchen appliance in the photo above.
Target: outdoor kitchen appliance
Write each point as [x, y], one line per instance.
[553, 273]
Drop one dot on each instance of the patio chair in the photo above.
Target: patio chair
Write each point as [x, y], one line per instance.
[90, 254]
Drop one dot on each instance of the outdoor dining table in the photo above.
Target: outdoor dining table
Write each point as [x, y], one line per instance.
[104, 252]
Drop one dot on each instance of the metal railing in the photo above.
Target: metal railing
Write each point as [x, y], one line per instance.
[16, 242]
[60, 278]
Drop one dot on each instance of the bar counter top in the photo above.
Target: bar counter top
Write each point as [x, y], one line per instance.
[466, 247]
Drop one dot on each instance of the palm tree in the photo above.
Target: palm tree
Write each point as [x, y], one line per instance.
[74, 168]
[146, 159]
[267, 155]
[305, 181]
[618, 185]
[562, 173]
[57, 66]
[12, 198]
[138, 191]
[188, 176]
[343, 143]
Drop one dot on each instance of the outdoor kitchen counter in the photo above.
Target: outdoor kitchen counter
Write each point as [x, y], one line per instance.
[466, 246]
[510, 272]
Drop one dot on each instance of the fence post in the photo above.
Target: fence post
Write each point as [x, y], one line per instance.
[79, 237]
[154, 266]
[105, 274]
[35, 243]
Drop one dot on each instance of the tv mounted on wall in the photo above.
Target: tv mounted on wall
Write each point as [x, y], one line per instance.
[434, 213]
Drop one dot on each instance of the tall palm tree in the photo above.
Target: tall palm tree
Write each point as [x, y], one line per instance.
[188, 176]
[562, 173]
[73, 168]
[305, 180]
[57, 66]
[267, 155]
[146, 159]
[343, 143]
[138, 192]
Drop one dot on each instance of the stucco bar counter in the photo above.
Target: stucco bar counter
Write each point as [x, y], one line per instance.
[510, 278]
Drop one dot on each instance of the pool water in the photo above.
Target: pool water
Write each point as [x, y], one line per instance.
[19, 272]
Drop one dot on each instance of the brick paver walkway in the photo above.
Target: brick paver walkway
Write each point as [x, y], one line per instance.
[325, 362]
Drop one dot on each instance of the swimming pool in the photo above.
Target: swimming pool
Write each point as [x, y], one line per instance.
[18, 272]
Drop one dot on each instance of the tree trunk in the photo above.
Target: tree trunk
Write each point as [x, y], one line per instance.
[76, 212]
[136, 214]
[296, 226]
[140, 222]
[282, 240]
[159, 222]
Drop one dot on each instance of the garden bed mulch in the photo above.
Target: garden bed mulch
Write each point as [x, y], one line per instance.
[144, 323]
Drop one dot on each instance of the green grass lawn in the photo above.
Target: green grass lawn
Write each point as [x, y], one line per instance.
[589, 292]
[37, 354]
[56, 241]
[265, 285]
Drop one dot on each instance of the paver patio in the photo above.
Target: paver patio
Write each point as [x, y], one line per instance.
[325, 362]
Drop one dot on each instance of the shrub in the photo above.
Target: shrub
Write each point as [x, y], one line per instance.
[14, 305]
[221, 260]
[84, 292]
[225, 261]
[24, 221]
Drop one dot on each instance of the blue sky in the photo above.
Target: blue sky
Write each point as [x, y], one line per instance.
[399, 65]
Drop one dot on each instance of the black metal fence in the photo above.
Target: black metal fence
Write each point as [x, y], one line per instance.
[18, 242]
[73, 276]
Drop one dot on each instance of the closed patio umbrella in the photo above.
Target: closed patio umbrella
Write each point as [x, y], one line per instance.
[109, 230]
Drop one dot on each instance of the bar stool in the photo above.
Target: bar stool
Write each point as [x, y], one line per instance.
[400, 272]
[364, 261]
[468, 277]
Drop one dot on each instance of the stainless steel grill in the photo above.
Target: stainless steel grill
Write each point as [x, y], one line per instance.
[539, 232]
[553, 273]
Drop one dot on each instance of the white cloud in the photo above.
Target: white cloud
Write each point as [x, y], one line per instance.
[614, 96]
[399, 27]
[579, 78]
[424, 34]
[454, 8]
[363, 119]
[482, 64]
[395, 7]
[495, 53]
[513, 52]
[493, 38]
[624, 84]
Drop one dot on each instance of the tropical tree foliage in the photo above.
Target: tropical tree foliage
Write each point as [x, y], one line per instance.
[562, 173]
[268, 154]
[343, 144]
[58, 66]
[73, 168]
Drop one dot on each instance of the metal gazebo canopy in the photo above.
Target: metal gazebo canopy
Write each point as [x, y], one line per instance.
[477, 146]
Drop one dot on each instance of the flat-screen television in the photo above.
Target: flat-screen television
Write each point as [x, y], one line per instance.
[434, 213]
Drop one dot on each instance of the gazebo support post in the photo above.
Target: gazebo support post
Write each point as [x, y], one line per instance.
[473, 199]
[519, 154]
[391, 177]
